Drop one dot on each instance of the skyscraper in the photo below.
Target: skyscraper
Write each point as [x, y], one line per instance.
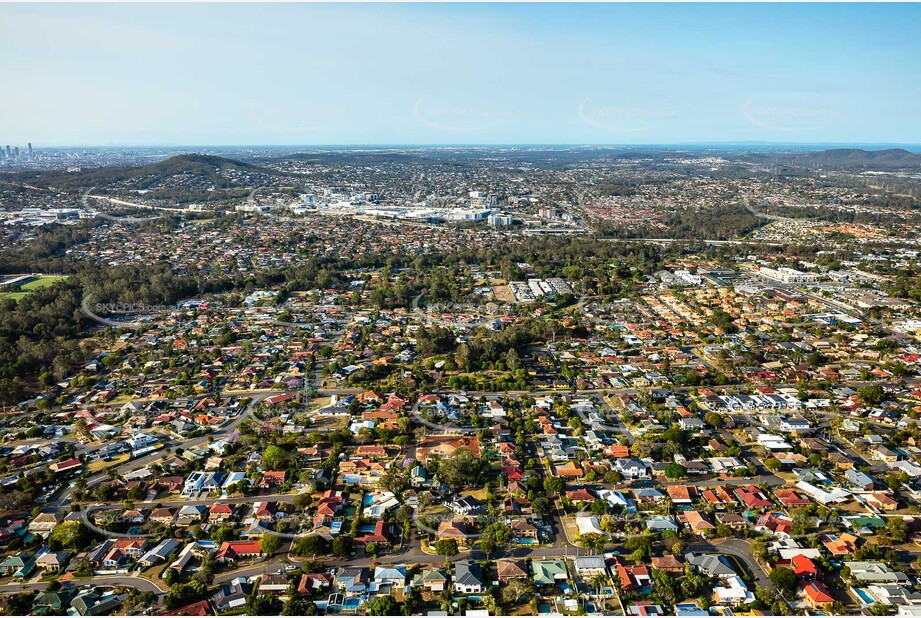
[8, 154]
[16, 152]
[30, 149]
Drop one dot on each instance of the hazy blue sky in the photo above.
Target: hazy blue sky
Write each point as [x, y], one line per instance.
[514, 73]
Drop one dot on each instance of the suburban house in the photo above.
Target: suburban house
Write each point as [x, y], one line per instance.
[468, 577]
[434, 579]
[549, 572]
[230, 551]
[511, 569]
[589, 566]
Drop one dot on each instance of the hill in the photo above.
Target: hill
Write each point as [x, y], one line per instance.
[852, 158]
[198, 166]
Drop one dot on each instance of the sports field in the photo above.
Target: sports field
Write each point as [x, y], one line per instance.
[42, 281]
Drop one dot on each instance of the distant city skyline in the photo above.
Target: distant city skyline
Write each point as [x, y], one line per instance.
[459, 74]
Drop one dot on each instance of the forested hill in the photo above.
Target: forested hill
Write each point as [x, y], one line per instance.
[203, 167]
[852, 159]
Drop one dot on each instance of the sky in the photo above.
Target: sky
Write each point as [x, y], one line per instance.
[323, 74]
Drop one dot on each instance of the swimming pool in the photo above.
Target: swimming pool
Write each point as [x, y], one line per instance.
[864, 596]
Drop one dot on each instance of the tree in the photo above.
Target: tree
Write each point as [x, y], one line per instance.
[512, 360]
[446, 547]
[263, 605]
[714, 420]
[269, 544]
[592, 541]
[641, 546]
[222, 533]
[675, 470]
[313, 545]
[599, 507]
[872, 394]
[541, 505]
[299, 605]
[773, 464]
[460, 469]
[598, 581]
[141, 600]
[898, 529]
[784, 579]
[183, 594]
[664, 586]
[342, 546]
[381, 605]
[274, 457]
[70, 535]
[878, 609]
[554, 485]
[515, 589]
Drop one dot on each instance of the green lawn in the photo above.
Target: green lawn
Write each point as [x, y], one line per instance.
[41, 282]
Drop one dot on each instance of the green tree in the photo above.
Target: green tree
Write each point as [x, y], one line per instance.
[382, 605]
[70, 535]
[675, 471]
[592, 541]
[898, 529]
[263, 605]
[512, 360]
[784, 579]
[878, 609]
[342, 546]
[872, 394]
[542, 505]
[446, 547]
[554, 485]
[299, 605]
[222, 533]
[460, 470]
[269, 544]
[274, 457]
[313, 545]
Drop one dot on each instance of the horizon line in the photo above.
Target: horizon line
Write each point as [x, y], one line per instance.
[484, 145]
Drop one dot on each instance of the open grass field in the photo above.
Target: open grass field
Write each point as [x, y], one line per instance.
[100, 465]
[37, 283]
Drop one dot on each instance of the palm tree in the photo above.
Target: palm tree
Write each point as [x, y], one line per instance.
[597, 582]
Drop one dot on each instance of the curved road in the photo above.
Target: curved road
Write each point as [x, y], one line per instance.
[128, 581]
